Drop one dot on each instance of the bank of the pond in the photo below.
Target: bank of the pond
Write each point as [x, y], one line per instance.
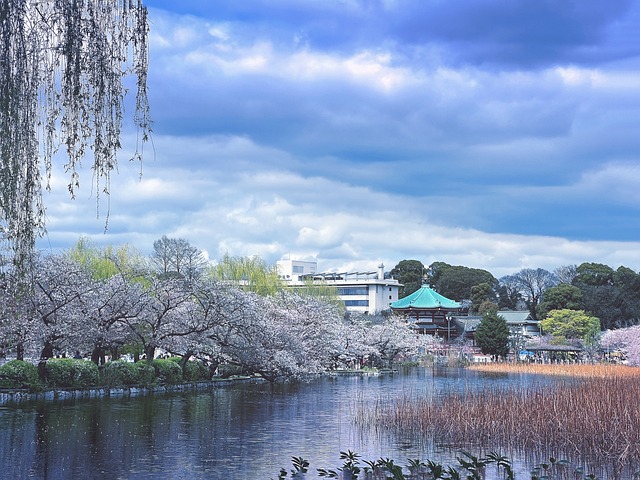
[52, 394]
[22, 395]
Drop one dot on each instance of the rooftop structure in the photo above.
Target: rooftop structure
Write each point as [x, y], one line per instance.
[429, 312]
[366, 292]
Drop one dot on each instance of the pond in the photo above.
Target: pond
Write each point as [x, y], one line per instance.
[246, 431]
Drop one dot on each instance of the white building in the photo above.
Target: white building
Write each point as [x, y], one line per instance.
[366, 292]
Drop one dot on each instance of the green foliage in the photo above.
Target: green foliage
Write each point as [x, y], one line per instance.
[594, 274]
[322, 292]
[104, 263]
[194, 370]
[146, 373]
[121, 373]
[472, 467]
[560, 297]
[571, 324]
[227, 370]
[167, 372]
[71, 373]
[410, 273]
[481, 294]
[249, 273]
[492, 335]
[19, 374]
[456, 282]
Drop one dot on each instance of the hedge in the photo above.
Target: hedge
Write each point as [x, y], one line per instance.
[19, 374]
[167, 372]
[193, 371]
[71, 373]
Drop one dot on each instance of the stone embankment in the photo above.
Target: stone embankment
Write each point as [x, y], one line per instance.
[14, 396]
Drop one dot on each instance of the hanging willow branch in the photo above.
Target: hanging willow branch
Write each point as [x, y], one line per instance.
[62, 66]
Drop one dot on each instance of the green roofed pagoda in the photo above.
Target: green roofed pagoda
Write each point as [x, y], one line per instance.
[429, 312]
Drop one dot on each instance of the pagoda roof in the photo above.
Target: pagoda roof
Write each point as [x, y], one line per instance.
[425, 298]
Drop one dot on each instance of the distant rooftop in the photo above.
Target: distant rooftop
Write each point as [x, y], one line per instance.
[425, 298]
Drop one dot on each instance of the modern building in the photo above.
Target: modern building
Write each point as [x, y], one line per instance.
[365, 292]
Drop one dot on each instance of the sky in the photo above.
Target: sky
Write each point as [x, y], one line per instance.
[494, 134]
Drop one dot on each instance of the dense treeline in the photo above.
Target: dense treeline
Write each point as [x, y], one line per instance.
[611, 295]
[111, 302]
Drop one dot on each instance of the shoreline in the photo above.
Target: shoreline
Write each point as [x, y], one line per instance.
[8, 396]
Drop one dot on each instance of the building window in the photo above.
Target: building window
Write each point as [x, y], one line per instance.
[352, 291]
[356, 303]
[298, 269]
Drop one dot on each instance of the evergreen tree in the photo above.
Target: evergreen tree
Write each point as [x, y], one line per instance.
[410, 274]
[492, 335]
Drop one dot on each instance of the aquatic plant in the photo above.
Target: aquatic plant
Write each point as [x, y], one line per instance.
[470, 467]
[591, 416]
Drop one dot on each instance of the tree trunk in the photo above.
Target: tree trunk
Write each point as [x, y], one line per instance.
[97, 354]
[46, 354]
[149, 351]
[183, 362]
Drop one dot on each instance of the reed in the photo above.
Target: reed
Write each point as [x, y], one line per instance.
[597, 370]
[595, 419]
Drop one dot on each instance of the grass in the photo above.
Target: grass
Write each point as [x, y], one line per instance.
[595, 419]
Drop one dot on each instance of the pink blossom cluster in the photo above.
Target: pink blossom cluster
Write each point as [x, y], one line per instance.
[626, 340]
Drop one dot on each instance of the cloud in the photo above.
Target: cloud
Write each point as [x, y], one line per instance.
[499, 135]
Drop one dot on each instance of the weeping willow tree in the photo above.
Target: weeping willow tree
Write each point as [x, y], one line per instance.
[249, 273]
[63, 64]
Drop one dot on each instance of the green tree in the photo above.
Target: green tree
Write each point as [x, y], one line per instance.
[62, 65]
[560, 297]
[611, 295]
[594, 274]
[248, 273]
[480, 294]
[104, 263]
[571, 324]
[492, 335]
[410, 273]
[456, 281]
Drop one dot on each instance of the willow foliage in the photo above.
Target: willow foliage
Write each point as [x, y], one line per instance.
[62, 66]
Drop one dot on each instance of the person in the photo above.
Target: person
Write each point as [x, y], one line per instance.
[77, 355]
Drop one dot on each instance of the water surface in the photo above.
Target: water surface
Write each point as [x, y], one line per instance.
[244, 431]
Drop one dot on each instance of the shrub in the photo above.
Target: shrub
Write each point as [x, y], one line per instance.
[226, 370]
[146, 373]
[122, 373]
[193, 370]
[71, 373]
[19, 374]
[197, 371]
[167, 372]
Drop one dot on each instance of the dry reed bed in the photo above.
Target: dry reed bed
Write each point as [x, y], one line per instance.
[595, 418]
[598, 370]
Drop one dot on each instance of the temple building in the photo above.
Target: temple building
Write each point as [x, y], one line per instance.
[429, 312]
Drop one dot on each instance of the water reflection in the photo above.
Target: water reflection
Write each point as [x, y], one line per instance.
[242, 432]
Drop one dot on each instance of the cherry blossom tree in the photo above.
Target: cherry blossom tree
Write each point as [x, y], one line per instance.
[163, 315]
[625, 339]
[393, 339]
[107, 310]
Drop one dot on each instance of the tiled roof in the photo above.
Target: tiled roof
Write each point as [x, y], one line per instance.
[425, 298]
